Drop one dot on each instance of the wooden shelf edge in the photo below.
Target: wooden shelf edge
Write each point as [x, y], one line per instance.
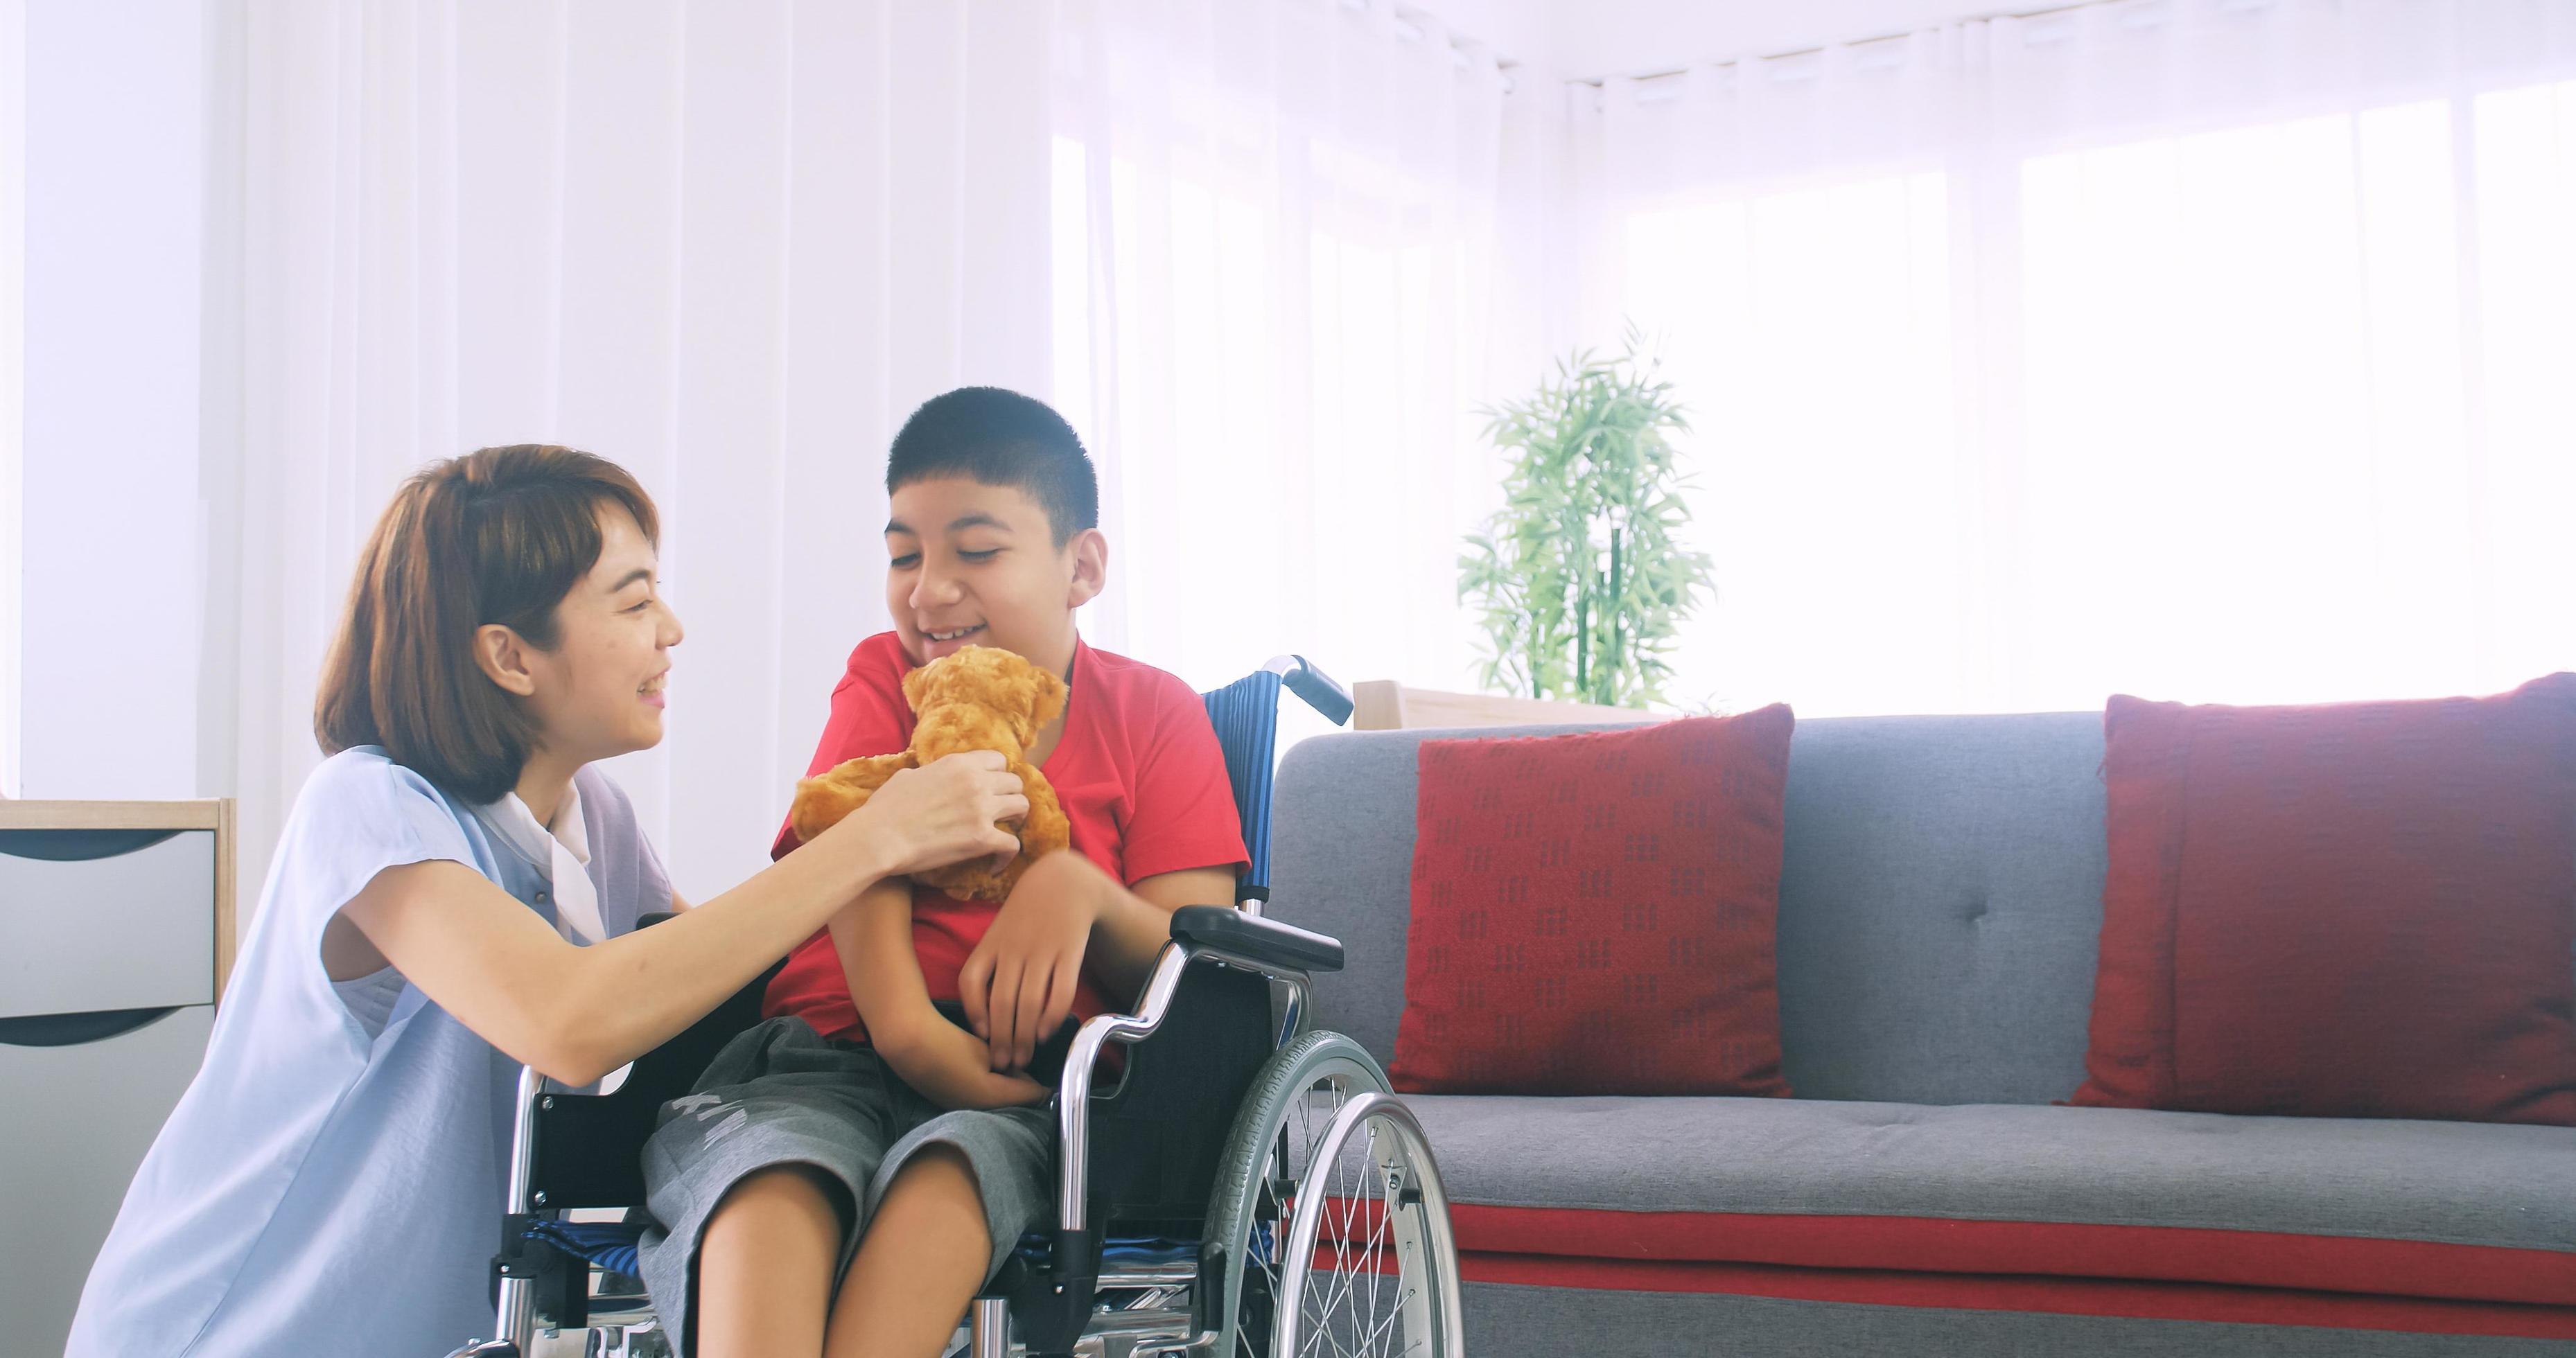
[193, 815]
[1384, 705]
[226, 932]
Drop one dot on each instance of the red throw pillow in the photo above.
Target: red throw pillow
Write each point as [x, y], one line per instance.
[1593, 913]
[2358, 910]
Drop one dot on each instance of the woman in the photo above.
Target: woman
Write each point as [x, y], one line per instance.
[454, 895]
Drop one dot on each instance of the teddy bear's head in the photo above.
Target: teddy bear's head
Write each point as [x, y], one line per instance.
[993, 685]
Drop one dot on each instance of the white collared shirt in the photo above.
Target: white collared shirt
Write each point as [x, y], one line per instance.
[576, 901]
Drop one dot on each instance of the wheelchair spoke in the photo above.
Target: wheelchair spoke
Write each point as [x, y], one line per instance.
[1345, 1186]
[1374, 1230]
[1386, 1207]
[1352, 1319]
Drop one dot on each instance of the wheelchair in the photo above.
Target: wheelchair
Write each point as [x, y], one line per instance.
[1242, 1185]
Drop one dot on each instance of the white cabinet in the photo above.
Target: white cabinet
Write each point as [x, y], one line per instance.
[115, 931]
[79, 1119]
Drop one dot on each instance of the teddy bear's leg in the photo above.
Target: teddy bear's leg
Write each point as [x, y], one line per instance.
[1045, 831]
[822, 801]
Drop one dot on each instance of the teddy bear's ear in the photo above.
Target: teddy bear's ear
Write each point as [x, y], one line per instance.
[1050, 703]
[916, 685]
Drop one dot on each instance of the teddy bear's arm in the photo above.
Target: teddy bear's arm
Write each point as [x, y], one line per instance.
[821, 801]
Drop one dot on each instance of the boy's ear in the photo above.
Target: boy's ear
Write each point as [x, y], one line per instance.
[503, 654]
[1090, 567]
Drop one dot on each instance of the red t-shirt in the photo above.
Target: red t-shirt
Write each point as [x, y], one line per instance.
[1137, 769]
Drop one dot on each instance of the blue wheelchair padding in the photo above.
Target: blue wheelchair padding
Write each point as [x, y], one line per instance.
[1245, 714]
[612, 1245]
[609, 1244]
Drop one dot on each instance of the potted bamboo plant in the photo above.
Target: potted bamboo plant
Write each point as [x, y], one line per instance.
[1579, 579]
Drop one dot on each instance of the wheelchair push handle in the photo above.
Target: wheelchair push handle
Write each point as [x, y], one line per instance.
[1321, 691]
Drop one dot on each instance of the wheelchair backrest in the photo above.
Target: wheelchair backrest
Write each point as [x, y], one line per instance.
[1245, 714]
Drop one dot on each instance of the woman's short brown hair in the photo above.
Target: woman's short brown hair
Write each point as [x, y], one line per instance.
[497, 536]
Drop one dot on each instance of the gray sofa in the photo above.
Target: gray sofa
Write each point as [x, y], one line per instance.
[1939, 904]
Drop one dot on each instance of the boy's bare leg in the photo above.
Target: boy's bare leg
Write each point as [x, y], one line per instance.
[924, 1254]
[765, 1266]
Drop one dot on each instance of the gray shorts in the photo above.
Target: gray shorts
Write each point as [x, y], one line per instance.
[779, 1094]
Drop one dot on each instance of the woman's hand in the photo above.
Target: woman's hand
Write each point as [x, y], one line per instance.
[947, 1064]
[941, 813]
[1018, 984]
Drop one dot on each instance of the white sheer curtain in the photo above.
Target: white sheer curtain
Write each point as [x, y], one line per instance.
[13, 368]
[727, 245]
[2204, 350]
[1297, 241]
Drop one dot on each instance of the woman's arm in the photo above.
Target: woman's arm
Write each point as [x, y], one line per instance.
[578, 1013]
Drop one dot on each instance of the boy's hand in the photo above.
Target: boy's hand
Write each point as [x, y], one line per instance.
[949, 1065]
[1018, 984]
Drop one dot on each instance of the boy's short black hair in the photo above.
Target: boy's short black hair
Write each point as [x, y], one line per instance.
[1000, 438]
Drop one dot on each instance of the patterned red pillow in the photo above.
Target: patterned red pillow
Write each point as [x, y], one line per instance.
[2358, 910]
[1593, 913]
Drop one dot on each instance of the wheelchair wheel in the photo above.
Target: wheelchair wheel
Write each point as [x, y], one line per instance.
[1331, 1220]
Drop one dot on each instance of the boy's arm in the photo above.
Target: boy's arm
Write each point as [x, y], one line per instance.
[1064, 909]
[948, 1065]
[1137, 921]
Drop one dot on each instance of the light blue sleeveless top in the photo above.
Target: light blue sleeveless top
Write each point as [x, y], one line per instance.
[332, 1181]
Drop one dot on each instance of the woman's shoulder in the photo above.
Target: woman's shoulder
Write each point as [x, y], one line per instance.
[363, 785]
[367, 771]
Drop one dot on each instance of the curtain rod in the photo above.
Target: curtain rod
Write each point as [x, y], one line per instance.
[1602, 81]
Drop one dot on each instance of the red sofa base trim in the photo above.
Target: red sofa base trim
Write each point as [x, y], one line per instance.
[1941, 1246]
[2061, 1296]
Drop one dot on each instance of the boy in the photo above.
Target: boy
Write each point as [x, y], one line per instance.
[818, 1199]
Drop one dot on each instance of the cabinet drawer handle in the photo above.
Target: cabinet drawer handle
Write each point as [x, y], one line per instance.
[72, 1030]
[78, 846]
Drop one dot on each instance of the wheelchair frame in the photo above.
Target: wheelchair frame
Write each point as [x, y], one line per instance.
[1109, 1167]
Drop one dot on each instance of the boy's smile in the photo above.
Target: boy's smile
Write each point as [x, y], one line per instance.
[971, 564]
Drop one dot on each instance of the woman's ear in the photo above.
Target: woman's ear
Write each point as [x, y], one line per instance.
[503, 654]
[1090, 567]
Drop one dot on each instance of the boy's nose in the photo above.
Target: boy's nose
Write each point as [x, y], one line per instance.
[933, 589]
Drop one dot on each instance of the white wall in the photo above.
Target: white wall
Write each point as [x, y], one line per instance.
[115, 181]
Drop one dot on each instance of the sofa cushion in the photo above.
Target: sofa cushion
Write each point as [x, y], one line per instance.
[1940, 890]
[2479, 1212]
[2355, 910]
[1593, 913]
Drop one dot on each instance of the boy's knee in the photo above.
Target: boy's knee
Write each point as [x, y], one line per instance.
[940, 1167]
[937, 1180]
[797, 1190]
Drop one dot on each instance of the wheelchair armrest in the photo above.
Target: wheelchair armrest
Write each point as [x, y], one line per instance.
[1255, 938]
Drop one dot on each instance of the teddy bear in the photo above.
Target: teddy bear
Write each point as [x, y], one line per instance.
[980, 698]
